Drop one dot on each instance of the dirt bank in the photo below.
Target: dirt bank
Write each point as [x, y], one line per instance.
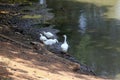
[20, 63]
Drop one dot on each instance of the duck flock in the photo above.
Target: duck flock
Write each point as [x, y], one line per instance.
[49, 39]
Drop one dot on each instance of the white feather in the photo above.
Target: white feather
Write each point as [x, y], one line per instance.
[48, 34]
[64, 46]
[42, 38]
[50, 41]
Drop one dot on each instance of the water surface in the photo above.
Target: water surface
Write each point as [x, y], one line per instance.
[93, 30]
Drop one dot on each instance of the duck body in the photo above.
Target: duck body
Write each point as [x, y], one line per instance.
[42, 38]
[50, 41]
[48, 34]
[64, 46]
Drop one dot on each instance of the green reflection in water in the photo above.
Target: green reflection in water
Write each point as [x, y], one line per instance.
[99, 45]
[113, 10]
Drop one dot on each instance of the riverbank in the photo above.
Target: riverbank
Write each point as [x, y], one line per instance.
[19, 59]
[18, 62]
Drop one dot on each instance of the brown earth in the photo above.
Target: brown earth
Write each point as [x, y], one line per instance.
[20, 63]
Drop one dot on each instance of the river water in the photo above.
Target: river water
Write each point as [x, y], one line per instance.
[93, 31]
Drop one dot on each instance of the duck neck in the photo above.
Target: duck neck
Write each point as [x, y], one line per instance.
[65, 39]
[40, 34]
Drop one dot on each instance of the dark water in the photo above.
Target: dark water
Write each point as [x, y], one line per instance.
[93, 30]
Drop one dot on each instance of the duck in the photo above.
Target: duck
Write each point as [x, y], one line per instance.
[42, 38]
[48, 34]
[50, 42]
[64, 45]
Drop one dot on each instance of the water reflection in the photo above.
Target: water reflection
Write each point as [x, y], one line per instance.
[117, 10]
[42, 2]
[82, 23]
[99, 47]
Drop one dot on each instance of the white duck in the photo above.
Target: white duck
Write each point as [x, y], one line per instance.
[64, 46]
[50, 41]
[48, 34]
[42, 38]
